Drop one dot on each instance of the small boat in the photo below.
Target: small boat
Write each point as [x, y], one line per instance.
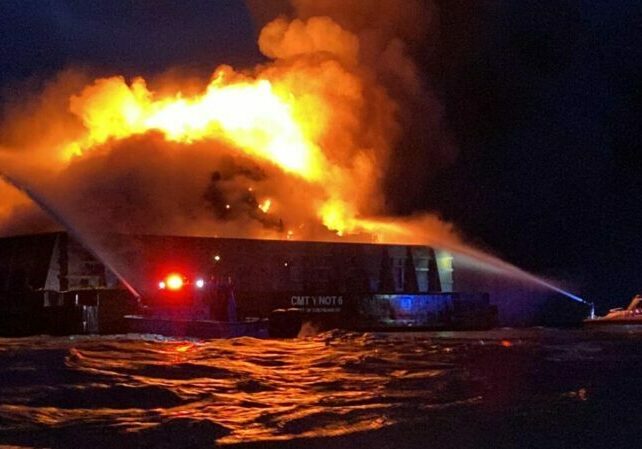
[632, 315]
[186, 306]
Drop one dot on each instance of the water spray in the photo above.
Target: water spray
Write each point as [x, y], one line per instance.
[493, 263]
[42, 203]
[570, 296]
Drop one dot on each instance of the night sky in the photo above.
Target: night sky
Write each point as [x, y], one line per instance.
[543, 99]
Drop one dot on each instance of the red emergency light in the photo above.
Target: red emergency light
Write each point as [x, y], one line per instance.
[176, 281]
[173, 281]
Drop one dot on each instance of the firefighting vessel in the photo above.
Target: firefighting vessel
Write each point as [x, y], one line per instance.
[194, 307]
[632, 315]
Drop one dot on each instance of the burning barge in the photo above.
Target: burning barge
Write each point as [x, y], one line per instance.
[216, 287]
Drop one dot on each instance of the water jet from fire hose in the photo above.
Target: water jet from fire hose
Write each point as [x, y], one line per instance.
[69, 227]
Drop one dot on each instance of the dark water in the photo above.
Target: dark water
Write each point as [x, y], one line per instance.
[505, 388]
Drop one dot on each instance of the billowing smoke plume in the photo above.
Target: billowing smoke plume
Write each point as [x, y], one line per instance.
[395, 38]
[170, 155]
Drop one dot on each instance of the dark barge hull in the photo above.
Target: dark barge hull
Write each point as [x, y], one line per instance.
[196, 328]
[393, 312]
[103, 311]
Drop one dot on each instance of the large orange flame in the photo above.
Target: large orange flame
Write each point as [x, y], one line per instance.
[261, 118]
[315, 114]
[249, 114]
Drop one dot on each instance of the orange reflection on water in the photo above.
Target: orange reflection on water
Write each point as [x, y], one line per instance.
[184, 348]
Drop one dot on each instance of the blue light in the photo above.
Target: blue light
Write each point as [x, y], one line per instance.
[405, 303]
